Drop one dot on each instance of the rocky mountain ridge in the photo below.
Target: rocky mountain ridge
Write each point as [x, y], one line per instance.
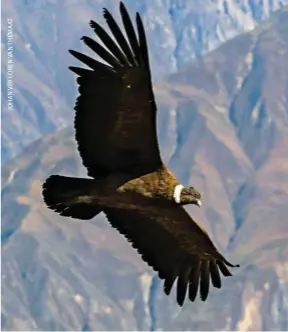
[43, 31]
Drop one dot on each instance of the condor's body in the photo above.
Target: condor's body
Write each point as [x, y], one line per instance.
[115, 128]
[117, 189]
[159, 185]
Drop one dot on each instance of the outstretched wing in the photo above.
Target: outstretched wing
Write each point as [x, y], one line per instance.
[115, 118]
[176, 247]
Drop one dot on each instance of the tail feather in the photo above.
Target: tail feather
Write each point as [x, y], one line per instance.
[59, 193]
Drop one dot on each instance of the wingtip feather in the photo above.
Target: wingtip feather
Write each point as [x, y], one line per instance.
[122, 6]
[224, 270]
[92, 24]
[204, 280]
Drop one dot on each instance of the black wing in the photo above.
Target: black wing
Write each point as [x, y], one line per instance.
[176, 247]
[115, 118]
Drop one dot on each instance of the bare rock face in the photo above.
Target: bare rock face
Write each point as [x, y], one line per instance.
[223, 127]
[43, 31]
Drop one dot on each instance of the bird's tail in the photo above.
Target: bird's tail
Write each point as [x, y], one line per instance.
[60, 194]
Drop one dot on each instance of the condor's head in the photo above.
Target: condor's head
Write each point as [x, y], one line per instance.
[184, 196]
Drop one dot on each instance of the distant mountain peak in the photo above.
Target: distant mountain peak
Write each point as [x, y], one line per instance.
[44, 30]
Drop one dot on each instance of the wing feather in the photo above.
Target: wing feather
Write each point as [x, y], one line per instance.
[130, 32]
[142, 41]
[109, 43]
[176, 250]
[169, 280]
[204, 282]
[102, 52]
[92, 63]
[80, 71]
[182, 282]
[215, 275]
[118, 35]
[223, 269]
[115, 120]
[194, 280]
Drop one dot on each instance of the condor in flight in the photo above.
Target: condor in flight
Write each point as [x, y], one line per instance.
[115, 126]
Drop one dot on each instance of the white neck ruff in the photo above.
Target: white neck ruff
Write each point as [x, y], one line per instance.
[177, 193]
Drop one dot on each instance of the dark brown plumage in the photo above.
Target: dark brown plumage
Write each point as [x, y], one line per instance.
[115, 126]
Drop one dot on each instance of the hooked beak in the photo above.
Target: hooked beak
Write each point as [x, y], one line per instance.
[198, 202]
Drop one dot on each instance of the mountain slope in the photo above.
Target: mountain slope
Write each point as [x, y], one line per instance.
[223, 127]
[43, 31]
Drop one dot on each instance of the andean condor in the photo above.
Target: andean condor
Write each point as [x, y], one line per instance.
[115, 126]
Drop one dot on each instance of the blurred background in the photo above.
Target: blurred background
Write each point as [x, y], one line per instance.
[220, 72]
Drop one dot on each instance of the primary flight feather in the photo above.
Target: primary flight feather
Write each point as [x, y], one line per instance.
[115, 125]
